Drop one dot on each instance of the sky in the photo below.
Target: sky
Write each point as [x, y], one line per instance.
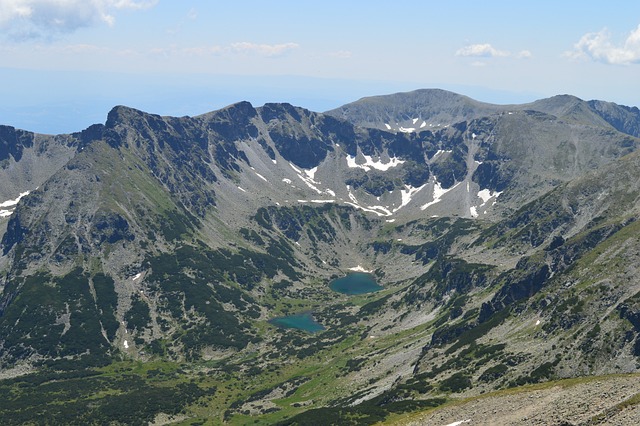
[65, 63]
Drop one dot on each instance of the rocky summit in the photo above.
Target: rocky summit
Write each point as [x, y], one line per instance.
[174, 270]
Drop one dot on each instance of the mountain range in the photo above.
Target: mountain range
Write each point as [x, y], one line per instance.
[145, 259]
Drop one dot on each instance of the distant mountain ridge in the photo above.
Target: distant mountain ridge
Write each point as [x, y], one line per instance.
[436, 108]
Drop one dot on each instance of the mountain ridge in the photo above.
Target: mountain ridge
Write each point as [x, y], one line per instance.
[501, 241]
[420, 105]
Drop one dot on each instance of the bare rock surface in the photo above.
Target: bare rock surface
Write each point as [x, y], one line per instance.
[601, 401]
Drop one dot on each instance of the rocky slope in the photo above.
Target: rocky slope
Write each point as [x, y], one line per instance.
[608, 400]
[504, 237]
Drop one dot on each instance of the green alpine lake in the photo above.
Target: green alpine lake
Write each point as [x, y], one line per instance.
[355, 283]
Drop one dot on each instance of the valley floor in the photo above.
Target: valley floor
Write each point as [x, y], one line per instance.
[610, 400]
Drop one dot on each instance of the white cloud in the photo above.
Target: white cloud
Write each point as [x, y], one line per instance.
[13, 9]
[599, 47]
[130, 4]
[25, 19]
[481, 50]
[264, 49]
[486, 50]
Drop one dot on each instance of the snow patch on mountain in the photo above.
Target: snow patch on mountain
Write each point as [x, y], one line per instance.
[351, 196]
[360, 269]
[307, 176]
[438, 192]
[369, 209]
[370, 164]
[385, 211]
[459, 422]
[379, 210]
[440, 152]
[311, 172]
[10, 203]
[317, 201]
[407, 194]
[486, 195]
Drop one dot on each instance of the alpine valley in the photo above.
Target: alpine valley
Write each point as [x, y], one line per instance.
[163, 270]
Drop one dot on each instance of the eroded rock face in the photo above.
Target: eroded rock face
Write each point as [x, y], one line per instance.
[110, 228]
[28, 159]
[15, 234]
[13, 142]
[623, 118]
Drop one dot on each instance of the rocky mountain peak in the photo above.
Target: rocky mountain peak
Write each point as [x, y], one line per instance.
[121, 114]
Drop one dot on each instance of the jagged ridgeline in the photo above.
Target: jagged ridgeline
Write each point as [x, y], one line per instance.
[145, 260]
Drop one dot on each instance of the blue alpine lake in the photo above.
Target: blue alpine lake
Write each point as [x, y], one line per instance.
[355, 283]
[303, 321]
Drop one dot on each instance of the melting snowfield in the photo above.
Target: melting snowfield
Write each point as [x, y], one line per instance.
[370, 164]
[438, 192]
[4, 211]
[458, 423]
[408, 129]
[359, 269]
[407, 194]
[307, 176]
[486, 195]
[317, 201]
[440, 152]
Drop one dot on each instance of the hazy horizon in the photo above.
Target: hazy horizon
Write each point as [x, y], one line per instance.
[59, 113]
[65, 64]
